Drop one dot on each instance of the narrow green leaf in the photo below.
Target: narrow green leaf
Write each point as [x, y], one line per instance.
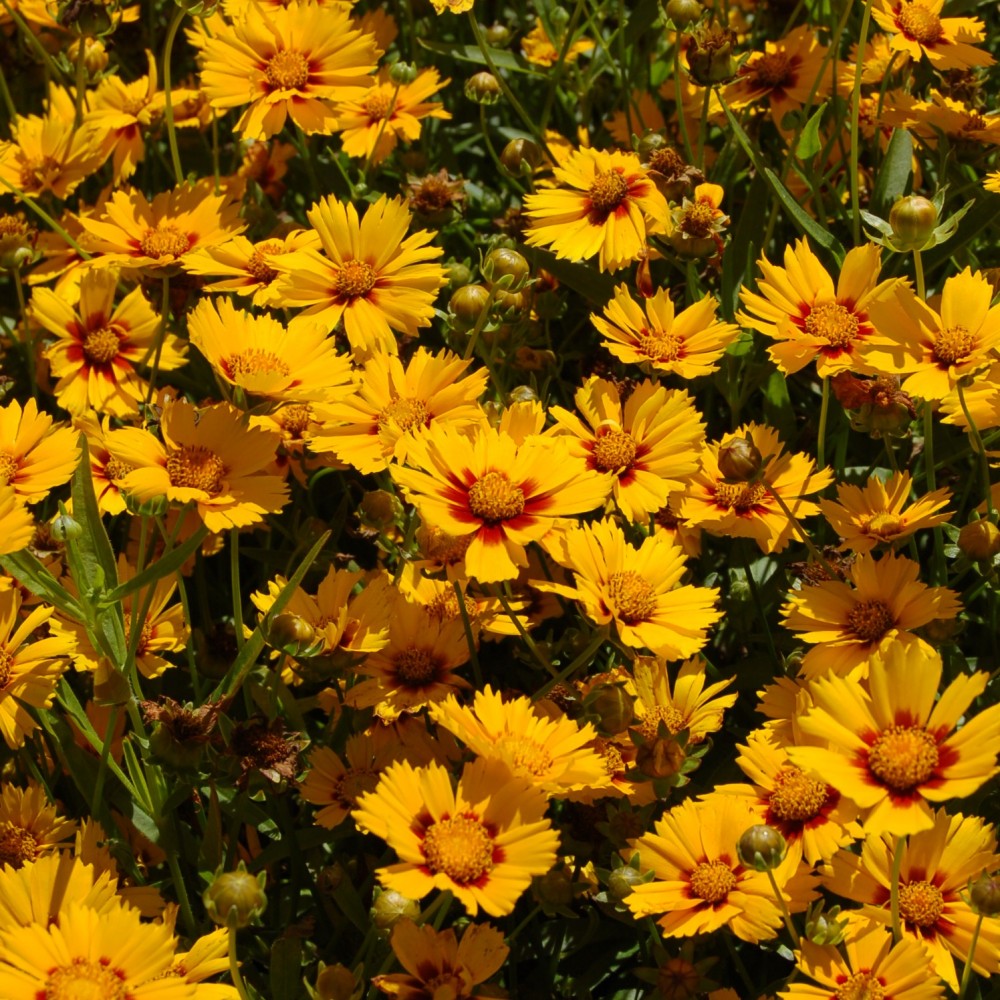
[743, 246]
[471, 53]
[894, 173]
[164, 566]
[97, 557]
[809, 143]
[33, 575]
[286, 968]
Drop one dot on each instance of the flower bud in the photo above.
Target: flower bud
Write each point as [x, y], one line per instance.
[554, 888]
[521, 156]
[623, 880]
[483, 88]
[336, 982]
[236, 898]
[762, 848]
[913, 219]
[710, 54]
[684, 13]
[740, 460]
[290, 632]
[184, 756]
[390, 907]
[613, 706]
[468, 303]
[502, 263]
[522, 394]
[95, 55]
[824, 928]
[65, 528]
[402, 73]
[17, 242]
[662, 757]
[979, 539]
[497, 35]
[379, 509]
[984, 895]
[458, 274]
[88, 17]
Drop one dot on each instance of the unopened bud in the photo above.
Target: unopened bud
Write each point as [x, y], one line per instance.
[290, 632]
[979, 539]
[554, 888]
[236, 898]
[95, 55]
[483, 88]
[402, 73]
[740, 460]
[468, 303]
[762, 848]
[336, 982]
[913, 219]
[684, 13]
[497, 35]
[613, 706]
[710, 54]
[984, 895]
[390, 907]
[65, 528]
[379, 509]
[825, 928]
[502, 263]
[521, 156]
[522, 394]
[662, 757]
[622, 881]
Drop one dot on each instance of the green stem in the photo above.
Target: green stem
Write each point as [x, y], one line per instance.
[234, 962]
[102, 768]
[758, 602]
[8, 101]
[180, 887]
[168, 104]
[81, 81]
[679, 99]
[556, 72]
[918, 268]
[897, 864]
[234, 583]
[703, 128]
[470, 638]
[45, 217]
[783, 906]
[967, 971]
[29, 337]
[157, 349]
[980, 448]
[855, 118]
[803, 534]
[525, 635]
[484, 316]
[824, 412]
[593, 646]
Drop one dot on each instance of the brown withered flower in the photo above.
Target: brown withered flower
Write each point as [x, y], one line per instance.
[180, 732]
[266, 749]
[436, 197]
[813, 573]
[878, 404]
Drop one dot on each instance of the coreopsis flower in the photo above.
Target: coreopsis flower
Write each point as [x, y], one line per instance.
[135, 233]
[538, 48]
[372, 277]
[392, 402]
[877, 608]
[265, 163]
[483, 840]
[942, 115]
[668, 523]
[992, 182]
[878, 61]
[811, 318]
[552, 753]
[880, 512]
[946, 344]
[415, 667]
[749, 509]
[17, 526]
[29, 670]
[106, 471]
[636, 588]
[46, 154]
[787, 73]
[372, 123]
[813, 817]
[453, 6]
[436, 960]
[244, 268]
[699, 223]
[259, 355]
[30, 826]
[868, 965]
[917, 28]
[35, 455]
[99, 345]
[294, 62]
[439, 599]
[208, 956]
[649, 443]
[484, 486]
[688, 704]
[111, 954]
[934, 874]
[605, 205]
[208, 456]
[700, 885]
[895, 747]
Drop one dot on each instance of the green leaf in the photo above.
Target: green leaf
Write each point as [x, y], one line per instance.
[805, 222]
[470, 53]
[247, 656]
[894, 173]
[33, 575]
[164, 566]
[809, 143]
[97, 557]
[743, 246]
[286, 968]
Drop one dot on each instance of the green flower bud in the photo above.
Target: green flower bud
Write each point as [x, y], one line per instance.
[740, 460]
[522, 394]
[554, 888]
[236, 898]
[521, 156]
[762, 848]
[291, 633]
[379, 509]
[662, 757]
[336, 982]
[467, 305]
[979, 539]
[710, 54]
[684, 13]
[65, 528]
[483, 88]
[824, 928]
[402, 73]
[390, 907]
[622, 881]
[168, 749]
[984, 895]
[913, 219]
[498, 36]
[502, 263]
[613, 706]
[459, 274]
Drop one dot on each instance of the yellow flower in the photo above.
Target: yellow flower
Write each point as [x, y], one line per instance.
[208, 456]
[941, 115]
[893, 746]
[700, 885]
[106, 471]
[292, 61]
[110, 955]
[992, 182]
[29, 671]
[501, 495]
[552, 753]
[847, 625]
[258, 355]
[29, 826]
[482, 841]
[604, 206]
[917, 28]
[375, 424]
[881, 512]
[135, 233]
[35, 457]
[867, 965]
[538, 48]
[649, 443]
[799, 306]
[947, 343]
[373, 278]
[374, 122]
[454, 6]
[636, 588]
[100, 345]
[436, 961]
[749, 510]
[17, 526]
